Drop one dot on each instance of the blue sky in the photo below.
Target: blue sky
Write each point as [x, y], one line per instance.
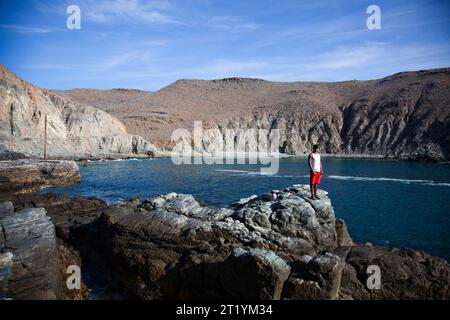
[150, 44]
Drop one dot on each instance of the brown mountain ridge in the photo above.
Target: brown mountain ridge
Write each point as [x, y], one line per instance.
[405, 115]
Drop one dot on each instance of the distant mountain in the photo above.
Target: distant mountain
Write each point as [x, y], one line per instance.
[405, 115]
[75, 130]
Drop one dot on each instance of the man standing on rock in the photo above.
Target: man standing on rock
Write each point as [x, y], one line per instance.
[315, 170]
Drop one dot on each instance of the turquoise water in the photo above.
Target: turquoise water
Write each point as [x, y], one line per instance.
[393, 203]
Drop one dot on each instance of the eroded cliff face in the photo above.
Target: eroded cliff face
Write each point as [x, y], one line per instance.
[74, 130]
[405, 115]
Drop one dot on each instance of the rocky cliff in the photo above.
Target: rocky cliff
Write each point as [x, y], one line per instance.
[278, 245]
[405, 115]
[74, 130]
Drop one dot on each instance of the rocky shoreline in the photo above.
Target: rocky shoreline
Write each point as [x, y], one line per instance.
[28, 175]
[278, 245]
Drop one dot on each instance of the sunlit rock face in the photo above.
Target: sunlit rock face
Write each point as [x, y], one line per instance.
[74, 130]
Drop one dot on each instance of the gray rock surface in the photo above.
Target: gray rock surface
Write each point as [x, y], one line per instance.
[6, 263]
[29, 262]
[279, 245]
[27, 175]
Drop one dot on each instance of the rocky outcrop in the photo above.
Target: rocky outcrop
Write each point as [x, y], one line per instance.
[36, 247]
[66, 212]
[29, 262]
[279, 245]
[29, 175]
[74, 130]
[405, 274]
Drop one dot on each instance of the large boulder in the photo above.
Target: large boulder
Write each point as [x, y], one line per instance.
[315, 278]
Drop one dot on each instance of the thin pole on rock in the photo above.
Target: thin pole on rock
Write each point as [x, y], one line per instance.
[45, 137]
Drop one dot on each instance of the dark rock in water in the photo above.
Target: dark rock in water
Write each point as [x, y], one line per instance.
[29, 237]
[28, 175]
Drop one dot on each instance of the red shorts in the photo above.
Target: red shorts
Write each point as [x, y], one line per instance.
[315, 178]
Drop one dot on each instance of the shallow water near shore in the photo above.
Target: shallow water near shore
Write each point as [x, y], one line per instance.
[390, 203]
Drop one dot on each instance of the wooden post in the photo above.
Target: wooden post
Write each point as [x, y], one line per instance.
[45, 137]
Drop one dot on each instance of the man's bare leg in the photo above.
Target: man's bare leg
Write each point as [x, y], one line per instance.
[311, 186]
[315, 191]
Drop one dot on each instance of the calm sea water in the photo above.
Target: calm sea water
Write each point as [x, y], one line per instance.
[393, 203]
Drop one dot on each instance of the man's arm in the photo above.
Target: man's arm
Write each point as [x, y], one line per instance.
[310, 164]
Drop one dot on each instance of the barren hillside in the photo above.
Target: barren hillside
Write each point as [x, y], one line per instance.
[403, 115]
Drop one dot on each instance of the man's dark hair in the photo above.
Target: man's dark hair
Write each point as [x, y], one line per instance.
[315, 147]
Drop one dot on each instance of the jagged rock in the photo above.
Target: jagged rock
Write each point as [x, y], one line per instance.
[29, 175]
[188, 249]
[30, 236]
[279, 245]
[315, 278]
[254, 274]
[343, 238]
[293, 214]
[66, 212]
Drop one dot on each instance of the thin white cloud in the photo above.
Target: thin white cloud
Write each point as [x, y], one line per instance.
[231, 23]
[24, 29]
[47, 66]
[134, 11]
[348, 57]
[127, 58]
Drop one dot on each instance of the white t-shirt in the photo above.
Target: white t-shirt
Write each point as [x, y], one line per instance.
[316, 164]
